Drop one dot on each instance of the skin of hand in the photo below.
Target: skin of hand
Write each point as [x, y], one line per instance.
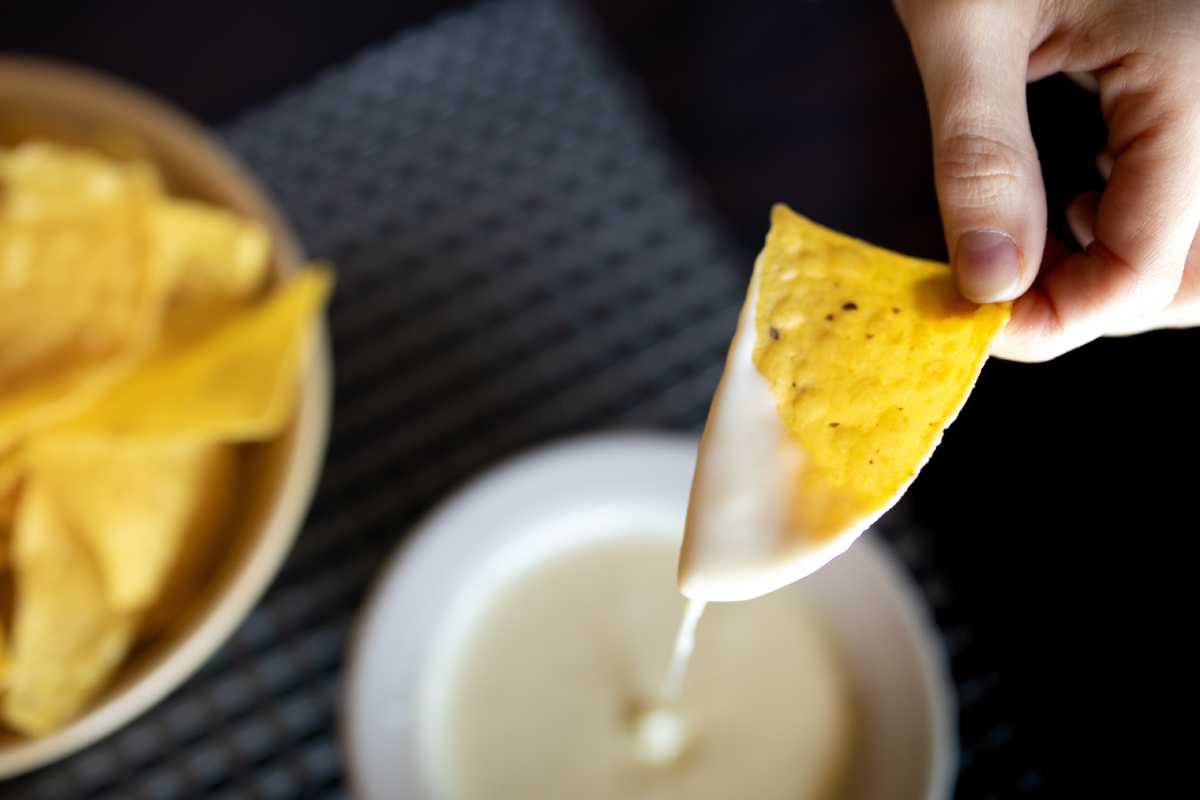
[1140, 264]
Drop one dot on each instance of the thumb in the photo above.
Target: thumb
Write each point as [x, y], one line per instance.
[974, 59]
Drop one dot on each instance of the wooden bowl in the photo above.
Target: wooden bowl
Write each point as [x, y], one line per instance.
[45, 100]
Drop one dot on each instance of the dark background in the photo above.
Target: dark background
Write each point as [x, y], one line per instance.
[1057, 494]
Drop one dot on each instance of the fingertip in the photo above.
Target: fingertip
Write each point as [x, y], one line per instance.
[1032, 331]
[1081, 218]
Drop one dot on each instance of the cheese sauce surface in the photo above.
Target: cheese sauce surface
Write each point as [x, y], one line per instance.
[549, 688]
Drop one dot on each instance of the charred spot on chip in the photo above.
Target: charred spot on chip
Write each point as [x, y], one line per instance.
[895, 310]
[870, 336]
[834, 424]
[870, 461]
[829, 317]
[850, 305]
[773, 332]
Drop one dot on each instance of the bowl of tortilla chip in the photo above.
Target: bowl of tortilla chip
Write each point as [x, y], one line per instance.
[164, 403]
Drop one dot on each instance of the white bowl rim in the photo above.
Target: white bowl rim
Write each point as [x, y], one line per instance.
[296, 487]
[938, 686]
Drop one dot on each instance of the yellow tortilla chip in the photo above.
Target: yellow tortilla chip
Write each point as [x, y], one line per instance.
[66, 640]
[218, 259]
[80, 294]
[51, 182]
[869, 354]
[238, 383]
[212, 251]
[134, 503]
[864, 356]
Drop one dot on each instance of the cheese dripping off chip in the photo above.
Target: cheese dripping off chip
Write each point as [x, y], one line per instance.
[848, 363]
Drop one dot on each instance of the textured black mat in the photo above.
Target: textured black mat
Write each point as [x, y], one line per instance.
[518, 259]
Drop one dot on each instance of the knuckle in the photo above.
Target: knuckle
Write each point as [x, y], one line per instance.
[1130, 287]
[978, 169]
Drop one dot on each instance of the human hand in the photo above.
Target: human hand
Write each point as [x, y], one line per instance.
[1140, 265]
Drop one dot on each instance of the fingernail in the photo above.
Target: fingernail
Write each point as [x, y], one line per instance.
[987, 266]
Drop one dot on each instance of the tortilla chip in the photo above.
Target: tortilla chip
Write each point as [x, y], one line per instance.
[864, 356]
[870, 355]
[134, 503]
[239, 383]
[212, 251]
[66, 640]
[81, 296]
[219, 261]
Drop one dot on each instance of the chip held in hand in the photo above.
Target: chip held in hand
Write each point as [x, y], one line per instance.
[848, 363]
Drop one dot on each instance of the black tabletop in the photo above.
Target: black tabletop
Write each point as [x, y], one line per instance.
[1061, 486]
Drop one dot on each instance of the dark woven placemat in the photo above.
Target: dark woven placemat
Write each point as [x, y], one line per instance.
[518, 259]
